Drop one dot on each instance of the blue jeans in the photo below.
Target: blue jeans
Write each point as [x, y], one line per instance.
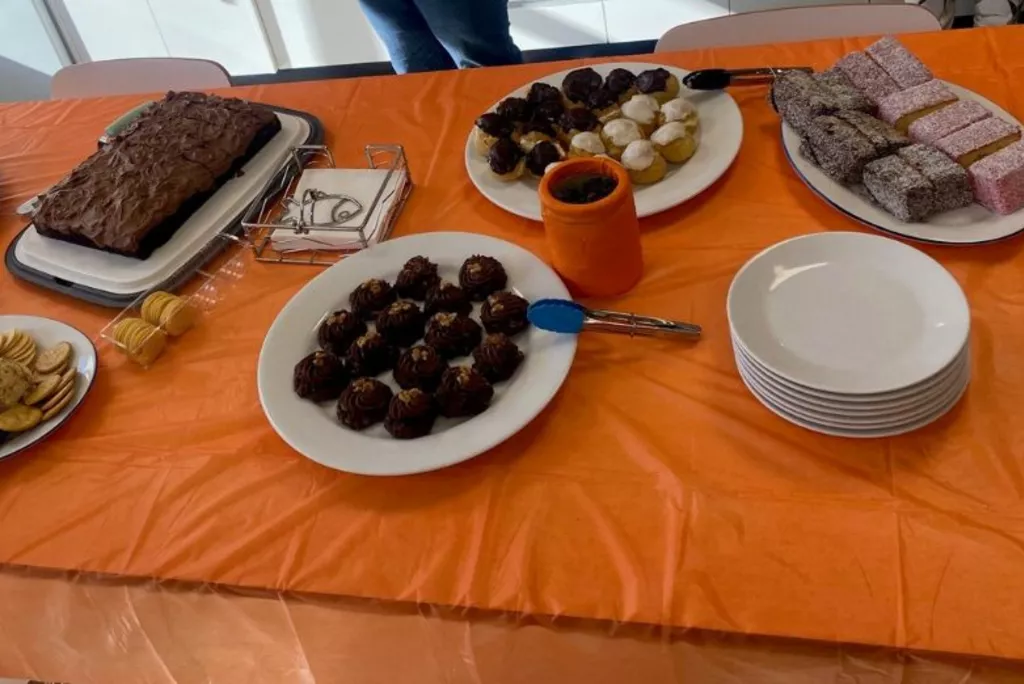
[430, 35]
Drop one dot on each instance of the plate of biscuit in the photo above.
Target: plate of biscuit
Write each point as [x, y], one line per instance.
[413, 355]
[674, 142]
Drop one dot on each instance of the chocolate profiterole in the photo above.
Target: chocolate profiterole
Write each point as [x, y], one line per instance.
[339, 330]
[463, 392]
[481, 275]
[420, 367]
[542, 92]
[504, 312]
[579, 120]
[452, 334]
[579, 83]
[401, 323]
[544, 115]
[363, 403]
[447, 296]
[619, 81]
[601, 99]
[504, 156]
[494, 124]
[411, 414]
[371, 354]
[653, 80]
[515, 109]
[541, 156]
[371, 297]
[417, 276]
[321, 376]
[497, 357]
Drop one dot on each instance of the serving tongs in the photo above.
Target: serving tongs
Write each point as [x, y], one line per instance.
[565, 316]
[719, 79]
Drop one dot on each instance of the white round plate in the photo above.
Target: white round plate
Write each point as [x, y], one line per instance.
[47, 332]
[922, 394]
[970, 225]
[313, 430]
[721, 132]
[848, 313]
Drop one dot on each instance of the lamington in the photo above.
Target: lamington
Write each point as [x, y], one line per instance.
[978, 140]
[866, 75]
[907, 106]
[900, 189]
[847, 95]
[798, 98]
[837, 148]
[947, 121]
[884, 137]
[998, 179]
[952, 184]
[898, 62]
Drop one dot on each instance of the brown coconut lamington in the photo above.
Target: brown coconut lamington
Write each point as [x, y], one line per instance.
[131, 196]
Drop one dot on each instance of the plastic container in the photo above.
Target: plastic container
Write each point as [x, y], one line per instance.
[595, 247]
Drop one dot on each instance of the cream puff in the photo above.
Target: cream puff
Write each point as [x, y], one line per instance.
[505, 160]
[644, 164]
[619, 133]
[489, 129]
[537, 129]
[603, 103]
[621, 83]
[576, 120]
[586, 145]
[659, 83]
[644, 110]
[675, 142]
[578, 84]
[515, 109]
[682, 110]
[543, 155]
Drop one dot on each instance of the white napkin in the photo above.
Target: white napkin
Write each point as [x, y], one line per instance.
[360, 184]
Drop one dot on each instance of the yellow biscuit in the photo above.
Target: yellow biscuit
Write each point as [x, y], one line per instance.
[44, 389]
[19, 418]
[5, 339]
[150, 348]
[53, 358]
[154, 304]
[177, 317]
[59, 406]
[67, 376]
[21, 344]
[125, 328]
[58, 398]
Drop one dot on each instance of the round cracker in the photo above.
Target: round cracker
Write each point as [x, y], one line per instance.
[53, 358]
[67, 376]
[19, 418]
[5, 339]
[154, 304]
[150, 348]
[62, 393]
[60, 405]
[178, 317]
[20, 346]
[43, 390]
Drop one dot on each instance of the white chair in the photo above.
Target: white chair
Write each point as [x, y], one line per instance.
[794, 24]
[143, 75]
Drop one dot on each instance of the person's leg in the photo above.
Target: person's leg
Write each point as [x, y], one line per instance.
[475, 32]
[409, 41]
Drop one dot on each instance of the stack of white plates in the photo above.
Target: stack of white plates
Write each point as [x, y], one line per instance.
[850, 334]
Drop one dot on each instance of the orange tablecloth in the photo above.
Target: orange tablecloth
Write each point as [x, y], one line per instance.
[654, 489]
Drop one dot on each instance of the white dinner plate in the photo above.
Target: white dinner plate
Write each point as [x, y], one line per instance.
[848, 313]
[313, 430]
[721, 132]
[47, 332]
[969, 225]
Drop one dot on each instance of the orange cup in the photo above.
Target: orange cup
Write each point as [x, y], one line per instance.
[595, 247]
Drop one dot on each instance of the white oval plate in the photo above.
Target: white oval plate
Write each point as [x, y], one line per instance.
[313, 430]
[48, 332]
[848, 313]
[721, 132]
[970, 225]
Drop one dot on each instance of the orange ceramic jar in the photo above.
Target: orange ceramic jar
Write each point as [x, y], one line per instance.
[595, 246]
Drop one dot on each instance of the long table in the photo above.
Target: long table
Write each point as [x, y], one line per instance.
[167, 530]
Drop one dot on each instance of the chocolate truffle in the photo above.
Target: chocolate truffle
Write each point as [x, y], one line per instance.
[339, 330]
[401, 323]
[504, 312]
[321, 376]
[504, 156]
[543, 155]
[371, 354]
[463, 392]
[542, 92]
[420, 367]
[417, 276]
[364, 402]
[452, 334]
[446, 296]
[619, 81]
[653, 81]
[515, 109]
[371, 297]
[579, 120]
[411, 414]
[494, 124]
[579, 83]
[497, 357]
[482, 275]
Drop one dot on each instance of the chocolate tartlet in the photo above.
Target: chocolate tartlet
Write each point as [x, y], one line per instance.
[494, 124]
[497, 357]
[363, 403]
[371, 354]
[420, 367]
[321, 376]
[515, 109]
[504, 156]
[446, 296]
[653, 80]
[463, 392]
[579, 120]
[482, 275]
[542, 92]
[411, 414]
[339, 330]
[401, 323]
[371, 297]
[541, 156]
[417, 276]
[452, 334]
[504, 312]
[579, 83]
[619, 81]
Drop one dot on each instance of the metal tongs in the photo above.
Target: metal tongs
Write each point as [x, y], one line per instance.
[564, 316]
[719, 79]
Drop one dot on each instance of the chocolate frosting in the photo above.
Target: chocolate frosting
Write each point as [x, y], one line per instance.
[503, 156]
[545, 113]
[364, 402]
[494, 124]
[420, 367]
[543, 154]
[463, 392]
[411, 414]
[497, 357]
[321, 376]
[515, 109]
[580, 120]
[653, 80]
[417, 276]
[542, 92]
[401, 323]
[504, 312]
[579, 83]
[452, 334]
[371, 297]
[339, 330]
[601, 99]
[371, 354]
[481, 275]
[618, 81]
[446, 296]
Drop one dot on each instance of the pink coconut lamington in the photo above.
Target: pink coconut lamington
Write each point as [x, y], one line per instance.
[998, 179]
[897, 61]
[974, 137]
[867, 75]
[894, 107]
[947, 121]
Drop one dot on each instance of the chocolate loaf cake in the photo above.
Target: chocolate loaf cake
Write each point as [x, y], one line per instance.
[131, 196]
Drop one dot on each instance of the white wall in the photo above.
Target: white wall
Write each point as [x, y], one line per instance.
[27, 57]
[307, 33]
